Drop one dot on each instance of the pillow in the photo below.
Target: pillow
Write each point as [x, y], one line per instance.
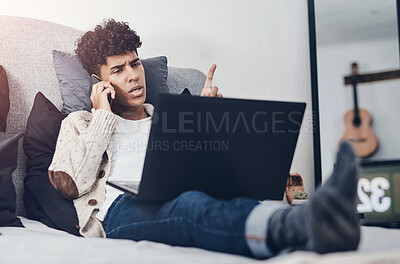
[8, 163]
[156, 73]
[42, 201]
[4, 99]
[75, 83]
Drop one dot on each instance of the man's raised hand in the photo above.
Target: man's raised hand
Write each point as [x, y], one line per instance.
[208, 90]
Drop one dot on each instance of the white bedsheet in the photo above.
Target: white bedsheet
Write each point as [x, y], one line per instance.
[39, 244]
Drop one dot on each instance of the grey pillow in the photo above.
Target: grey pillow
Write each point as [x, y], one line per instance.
[75, 82]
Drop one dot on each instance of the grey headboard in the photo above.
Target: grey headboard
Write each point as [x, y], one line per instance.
[25, 53]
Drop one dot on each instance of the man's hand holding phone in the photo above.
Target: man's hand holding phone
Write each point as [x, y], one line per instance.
[100, 94]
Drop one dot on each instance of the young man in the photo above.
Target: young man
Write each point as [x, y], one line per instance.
[93, 147]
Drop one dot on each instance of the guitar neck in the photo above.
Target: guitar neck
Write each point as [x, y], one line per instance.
[356, 120]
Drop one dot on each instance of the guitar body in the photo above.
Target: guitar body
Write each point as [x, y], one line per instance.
[362, 137]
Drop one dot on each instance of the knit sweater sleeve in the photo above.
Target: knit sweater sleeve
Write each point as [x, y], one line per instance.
[81, 143]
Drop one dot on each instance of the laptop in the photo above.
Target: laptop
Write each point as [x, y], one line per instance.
[224, 147]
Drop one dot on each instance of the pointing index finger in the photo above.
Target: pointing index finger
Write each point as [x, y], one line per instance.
[210, 76]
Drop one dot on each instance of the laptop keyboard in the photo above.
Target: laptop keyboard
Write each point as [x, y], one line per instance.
[133, 185]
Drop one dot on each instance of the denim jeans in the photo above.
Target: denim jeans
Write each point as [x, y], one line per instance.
[193, 219]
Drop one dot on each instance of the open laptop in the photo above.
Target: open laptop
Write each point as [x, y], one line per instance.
[224, 147]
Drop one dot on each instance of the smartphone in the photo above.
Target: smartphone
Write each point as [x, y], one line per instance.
[95, 80]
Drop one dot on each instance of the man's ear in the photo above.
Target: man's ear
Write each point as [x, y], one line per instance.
[95, 76]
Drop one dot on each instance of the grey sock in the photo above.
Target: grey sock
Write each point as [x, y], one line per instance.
[327, 222]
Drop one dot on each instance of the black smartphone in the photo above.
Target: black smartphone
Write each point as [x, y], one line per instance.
[95, 80]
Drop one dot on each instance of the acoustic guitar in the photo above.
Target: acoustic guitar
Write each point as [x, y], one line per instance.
[358, 125]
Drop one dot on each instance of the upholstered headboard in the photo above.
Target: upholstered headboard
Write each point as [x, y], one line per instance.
[26, 54]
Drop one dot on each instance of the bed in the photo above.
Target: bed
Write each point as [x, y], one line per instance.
[37, 243]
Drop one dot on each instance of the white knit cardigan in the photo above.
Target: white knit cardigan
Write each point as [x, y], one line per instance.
[84, 151]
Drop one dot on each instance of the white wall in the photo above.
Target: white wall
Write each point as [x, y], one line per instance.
[381, 99]
[260, 46]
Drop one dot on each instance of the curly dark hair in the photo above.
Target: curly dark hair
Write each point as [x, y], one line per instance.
[109, 39]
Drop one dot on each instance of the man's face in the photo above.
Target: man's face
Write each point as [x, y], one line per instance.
[126, 75]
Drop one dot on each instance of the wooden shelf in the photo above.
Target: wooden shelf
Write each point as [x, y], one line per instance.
[372, 77]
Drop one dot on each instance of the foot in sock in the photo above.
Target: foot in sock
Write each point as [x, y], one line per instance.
[327, 223]
[334, 225]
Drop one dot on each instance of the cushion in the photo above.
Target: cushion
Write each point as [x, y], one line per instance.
[75, 82]
[4, 99]
[8, 163]
[181, 78]
[42, 201]
[156, 73]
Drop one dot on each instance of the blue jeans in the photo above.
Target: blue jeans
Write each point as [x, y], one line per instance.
[193, 219]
